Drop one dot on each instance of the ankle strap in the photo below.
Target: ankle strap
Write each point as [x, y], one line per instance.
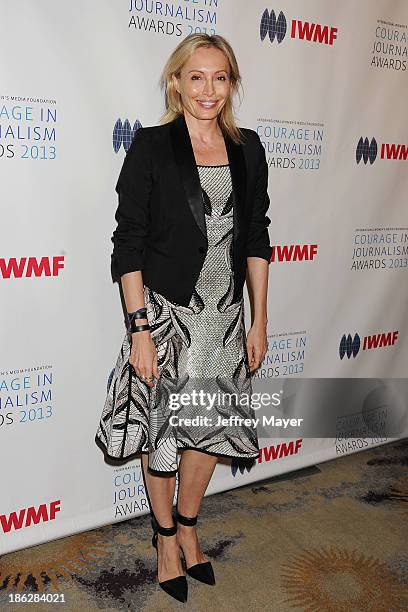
[184, 520]
[165, 531]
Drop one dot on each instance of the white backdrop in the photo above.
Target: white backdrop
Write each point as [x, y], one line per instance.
[339, 226]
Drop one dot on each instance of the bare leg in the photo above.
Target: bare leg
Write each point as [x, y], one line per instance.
[161, 493]
[195, 471]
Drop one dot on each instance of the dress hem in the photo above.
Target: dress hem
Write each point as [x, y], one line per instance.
[111, 460]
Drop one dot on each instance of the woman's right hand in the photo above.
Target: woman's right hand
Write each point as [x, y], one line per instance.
[143, 355]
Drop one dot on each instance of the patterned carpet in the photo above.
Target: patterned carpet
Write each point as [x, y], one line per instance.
[328, 538]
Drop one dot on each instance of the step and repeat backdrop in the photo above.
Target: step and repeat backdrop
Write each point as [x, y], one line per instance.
[325, 87]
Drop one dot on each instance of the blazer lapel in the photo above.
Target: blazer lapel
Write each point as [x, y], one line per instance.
[239, 182]
[185, 160]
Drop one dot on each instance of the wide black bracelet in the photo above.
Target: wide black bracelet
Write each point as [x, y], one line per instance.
[138, 328]
[132, 316]
[138, 314]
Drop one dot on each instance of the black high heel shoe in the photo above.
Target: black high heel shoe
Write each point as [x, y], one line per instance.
[200, 571]
[176, 587]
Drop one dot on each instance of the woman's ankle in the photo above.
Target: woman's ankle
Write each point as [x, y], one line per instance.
[187, 535]
[188, 529]
[167, 539]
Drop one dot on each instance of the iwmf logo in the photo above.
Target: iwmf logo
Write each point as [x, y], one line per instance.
[123, 133]
[350, 347]
[27, 267]
[276, 27]
[368, 150]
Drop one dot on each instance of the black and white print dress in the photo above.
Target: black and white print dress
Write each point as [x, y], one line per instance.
[200, 347]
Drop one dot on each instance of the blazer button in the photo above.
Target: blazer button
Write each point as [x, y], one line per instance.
[201, 249]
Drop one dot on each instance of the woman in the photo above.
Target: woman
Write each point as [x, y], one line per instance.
[192, 226]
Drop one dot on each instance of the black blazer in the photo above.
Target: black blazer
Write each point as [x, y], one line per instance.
[161, 221]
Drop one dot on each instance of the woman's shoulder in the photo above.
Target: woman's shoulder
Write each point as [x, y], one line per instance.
[154, 130]
[145, 138]
[247, 131]
[251, 142]
[248, 135]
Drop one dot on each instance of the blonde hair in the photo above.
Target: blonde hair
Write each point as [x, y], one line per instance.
[176, 61]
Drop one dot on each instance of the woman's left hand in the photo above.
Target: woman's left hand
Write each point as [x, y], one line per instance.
[257, 345]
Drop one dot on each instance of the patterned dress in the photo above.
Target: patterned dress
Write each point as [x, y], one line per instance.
[201, 347]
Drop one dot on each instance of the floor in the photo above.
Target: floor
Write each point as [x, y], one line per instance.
[332, 537]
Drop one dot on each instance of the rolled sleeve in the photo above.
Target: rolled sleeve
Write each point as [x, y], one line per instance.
[132, 215]
[258, 244]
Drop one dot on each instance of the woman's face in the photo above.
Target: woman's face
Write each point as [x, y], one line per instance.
[204, 83]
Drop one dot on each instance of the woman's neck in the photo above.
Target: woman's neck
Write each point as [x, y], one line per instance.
[202, 130]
